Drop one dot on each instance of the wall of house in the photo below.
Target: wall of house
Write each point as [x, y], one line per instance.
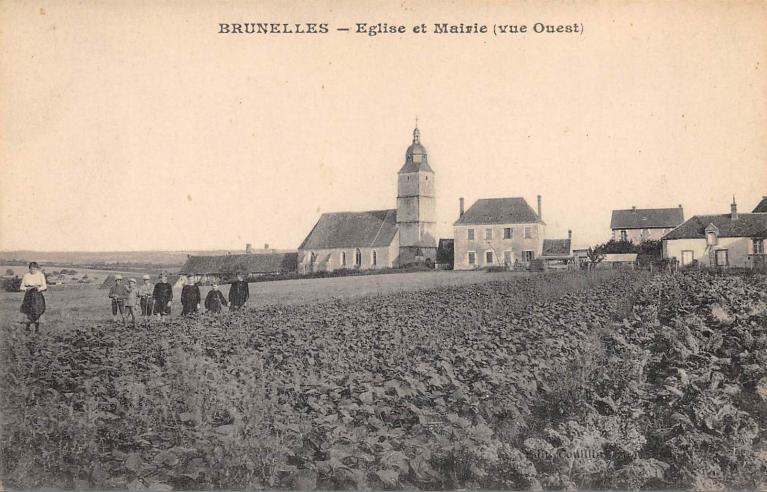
[498, 245]
[639, 235]
[738, 249]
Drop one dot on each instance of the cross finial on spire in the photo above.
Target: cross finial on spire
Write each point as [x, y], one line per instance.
[416, 132]
[733, 198]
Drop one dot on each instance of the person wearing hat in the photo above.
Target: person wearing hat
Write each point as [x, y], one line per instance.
[118, 292]
[33, 285]
[238, 292]
[131, 300]
[163, 295]
[190, 296]
[145, 297]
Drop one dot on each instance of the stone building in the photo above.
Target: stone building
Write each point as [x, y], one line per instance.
[644, 224]
[380, 238]
[498, 232]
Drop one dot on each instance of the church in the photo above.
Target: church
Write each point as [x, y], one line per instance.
[379, 239]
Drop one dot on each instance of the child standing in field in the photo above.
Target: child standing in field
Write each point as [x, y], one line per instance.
[238, 292]
[163, 295]
[190, 296]
[118, 292]
[145, 297]
[215, 299]
[131, 300]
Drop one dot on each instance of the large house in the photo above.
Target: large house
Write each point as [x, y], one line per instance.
[724, 240]
[380, 238]
[497, 232]
[644, 224]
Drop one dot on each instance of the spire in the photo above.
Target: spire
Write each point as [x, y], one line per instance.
[416, 132]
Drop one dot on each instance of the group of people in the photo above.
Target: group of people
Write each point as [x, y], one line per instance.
[156, 299]
[127, 300]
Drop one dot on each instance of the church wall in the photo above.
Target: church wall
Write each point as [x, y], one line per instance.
[329, 260]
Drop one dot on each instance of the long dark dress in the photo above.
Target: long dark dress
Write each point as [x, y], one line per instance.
[238, 294]
[163, 294]
[33, 304]
[190, 298]
[214, 300]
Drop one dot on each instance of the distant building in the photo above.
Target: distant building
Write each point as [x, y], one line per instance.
[724, 240]
[497, 232]
[224, 267]
[644, 224]
[761, 207]
[558, 251]
[618, 260]
[380, 238]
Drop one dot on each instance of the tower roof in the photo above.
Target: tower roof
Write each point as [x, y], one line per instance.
[416, 158]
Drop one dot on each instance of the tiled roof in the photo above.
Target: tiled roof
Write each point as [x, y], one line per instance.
[247, 263]
[761, 208]
[556, 247]
[746, 225]
[647, 218]
[372, 229]
[513, 210]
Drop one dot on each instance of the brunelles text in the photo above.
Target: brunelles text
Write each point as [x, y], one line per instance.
[384, 28]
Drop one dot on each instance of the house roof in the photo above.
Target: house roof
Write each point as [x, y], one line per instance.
[556, 247]
[512, 210]
[647, 218]
[746, 225]
[371, 229]
[247, 263]
[761, 208]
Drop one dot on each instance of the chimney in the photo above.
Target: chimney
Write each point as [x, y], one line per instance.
[540, 216]
[634, 209]
[266, 245]
[248, 249]
[733, 209]
[570, 234]
[460, 207]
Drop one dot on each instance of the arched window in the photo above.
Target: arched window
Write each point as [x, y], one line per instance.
[357, 257]
[374, 258]
[312, 257]
[343, 258]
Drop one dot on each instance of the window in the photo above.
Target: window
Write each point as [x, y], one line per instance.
[624, 235]
[313, 257]
[528, 232]
[488, 234]
[687, 257]
[357, 257]
[721, 258]
[472, 258]
[471, 234]
[711, 238]
[758, 246]
[489, 257]
[507, 234]
[374, 258]
[529, 255]
[417, 157]
[343, 258]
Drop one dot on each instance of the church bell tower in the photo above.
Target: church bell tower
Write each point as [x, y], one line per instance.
[416, 207]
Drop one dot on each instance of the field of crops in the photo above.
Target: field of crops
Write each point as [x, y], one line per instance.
[605, 380]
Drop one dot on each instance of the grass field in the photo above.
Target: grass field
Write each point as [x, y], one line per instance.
[87, 302]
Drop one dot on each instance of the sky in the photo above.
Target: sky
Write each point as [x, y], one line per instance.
[137, 126]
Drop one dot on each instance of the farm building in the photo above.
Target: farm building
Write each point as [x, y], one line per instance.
[498, 232]
[761, 207]
[225, 267]
[558, 251]
[380, 238]
[644, 224]
[619, 260]
[725, 240]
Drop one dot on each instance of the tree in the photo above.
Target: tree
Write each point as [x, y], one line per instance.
[9, 272]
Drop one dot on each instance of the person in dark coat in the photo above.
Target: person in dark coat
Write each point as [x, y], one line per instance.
[118, 293]
[162, 295]
[190, 297]
[215, 299]
[33, 285]
[238, 293]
